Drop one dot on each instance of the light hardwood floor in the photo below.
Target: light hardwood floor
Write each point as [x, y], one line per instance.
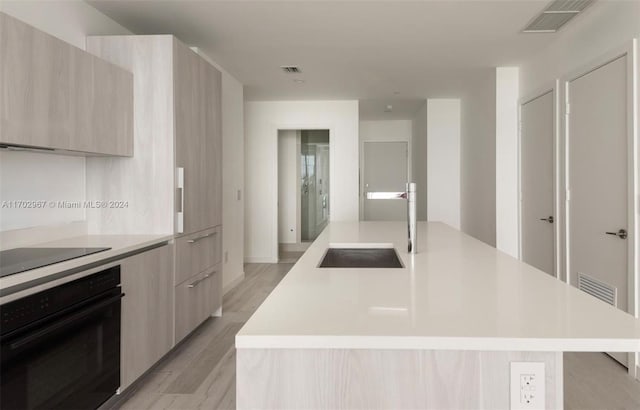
[200, 372]
[289, 257]
[594, 381]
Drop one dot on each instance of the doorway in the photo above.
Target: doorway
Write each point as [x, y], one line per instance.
[385, 168]
[303, 189]
[600, 184]
[314, 180]
[538, 216]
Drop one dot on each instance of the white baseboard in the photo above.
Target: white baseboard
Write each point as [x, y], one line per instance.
[234, 282]
[259, 259]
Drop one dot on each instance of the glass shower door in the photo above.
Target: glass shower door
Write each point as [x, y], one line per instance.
[314, 179]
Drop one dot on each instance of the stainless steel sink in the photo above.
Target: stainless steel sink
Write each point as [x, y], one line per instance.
[361, 258]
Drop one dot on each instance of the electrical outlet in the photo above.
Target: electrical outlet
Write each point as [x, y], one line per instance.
[527, 386]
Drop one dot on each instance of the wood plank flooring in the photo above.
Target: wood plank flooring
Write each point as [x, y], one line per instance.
[289, 257]
[595, 381]
[200, 372]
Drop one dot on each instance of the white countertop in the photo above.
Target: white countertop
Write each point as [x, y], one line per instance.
[34, 279]
[457, 293]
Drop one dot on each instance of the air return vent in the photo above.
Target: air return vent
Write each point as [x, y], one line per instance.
[601, 290]
[556, 15]
[291, 69]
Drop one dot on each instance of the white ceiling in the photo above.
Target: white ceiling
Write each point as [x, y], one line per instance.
[367, 50]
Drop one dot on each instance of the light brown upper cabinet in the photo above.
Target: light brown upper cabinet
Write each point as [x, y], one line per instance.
[56, 96]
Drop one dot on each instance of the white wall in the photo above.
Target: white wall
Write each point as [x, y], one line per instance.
[44, 176]
[507, 192]
[262, 121]
[32, 176]
[288, 227]
[70, 21]
[419, 160]
[603, 27]
[443, 161]
[386, 130]
[478, 157]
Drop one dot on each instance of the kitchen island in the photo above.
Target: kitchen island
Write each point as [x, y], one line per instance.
[440, 332]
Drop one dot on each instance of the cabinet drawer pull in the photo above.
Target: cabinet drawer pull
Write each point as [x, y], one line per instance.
[197, 282]
[194, 240]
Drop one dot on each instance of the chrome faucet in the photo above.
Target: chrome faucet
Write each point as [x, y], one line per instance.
[410, 196]
[411, 217]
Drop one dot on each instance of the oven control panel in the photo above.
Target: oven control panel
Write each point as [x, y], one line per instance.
[60, 299]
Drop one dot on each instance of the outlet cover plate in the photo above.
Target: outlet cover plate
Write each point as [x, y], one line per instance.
[527, 386]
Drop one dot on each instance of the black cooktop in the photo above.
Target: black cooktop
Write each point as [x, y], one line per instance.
[19, 260]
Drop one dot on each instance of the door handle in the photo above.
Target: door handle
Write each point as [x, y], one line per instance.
[549, 219]
[622, 233]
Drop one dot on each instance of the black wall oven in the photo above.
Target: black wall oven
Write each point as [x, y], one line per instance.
[61, 347]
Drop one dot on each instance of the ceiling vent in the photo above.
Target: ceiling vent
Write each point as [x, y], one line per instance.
[556, 15]
[291, 69]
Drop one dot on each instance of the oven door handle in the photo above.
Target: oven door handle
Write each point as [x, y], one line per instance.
[32, 337]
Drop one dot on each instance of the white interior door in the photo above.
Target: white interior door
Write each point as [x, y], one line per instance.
[598, 179]
[537, 216]
[385, 169]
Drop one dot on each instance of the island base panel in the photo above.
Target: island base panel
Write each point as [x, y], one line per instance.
[385, 379]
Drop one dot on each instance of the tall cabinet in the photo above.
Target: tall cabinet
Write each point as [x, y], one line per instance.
[173, 183]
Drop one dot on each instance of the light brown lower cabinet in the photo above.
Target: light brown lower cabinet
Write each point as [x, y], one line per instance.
[147, 311]
[197, 298]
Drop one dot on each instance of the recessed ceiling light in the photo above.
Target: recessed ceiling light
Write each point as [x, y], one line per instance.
[388, 108]
[298, 81]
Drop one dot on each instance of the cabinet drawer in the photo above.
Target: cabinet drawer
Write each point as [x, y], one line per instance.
[196, 253]
[196, 299]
